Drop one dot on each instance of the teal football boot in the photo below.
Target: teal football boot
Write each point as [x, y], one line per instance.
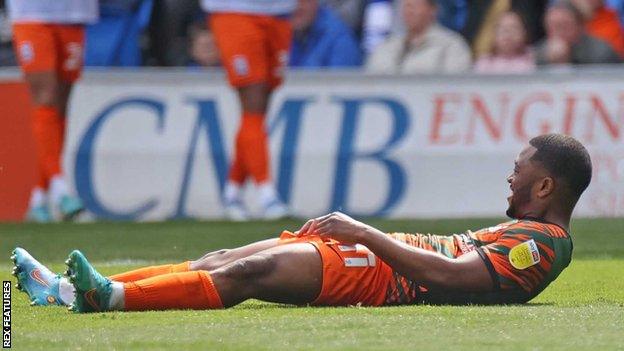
[93, 290]
[70, 207]
[35, 279]
[39, 214]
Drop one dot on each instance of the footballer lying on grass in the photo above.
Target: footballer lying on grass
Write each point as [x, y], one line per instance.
[335, 260]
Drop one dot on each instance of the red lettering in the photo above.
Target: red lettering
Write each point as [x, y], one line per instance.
[480, 111]
[532, 100]
[441, 116]
[599, 110]
[568, 117]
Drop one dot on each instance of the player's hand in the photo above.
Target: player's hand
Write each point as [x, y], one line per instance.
[335, 225]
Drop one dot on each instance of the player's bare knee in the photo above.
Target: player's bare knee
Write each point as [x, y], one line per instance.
[211, 260]
[45, 97]
[249, 269]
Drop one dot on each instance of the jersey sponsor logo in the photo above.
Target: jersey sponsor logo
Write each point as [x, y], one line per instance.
[26, 52]
[524, 255]
[240, 65]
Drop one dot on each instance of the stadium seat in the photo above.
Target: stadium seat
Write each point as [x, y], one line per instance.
[114, 40]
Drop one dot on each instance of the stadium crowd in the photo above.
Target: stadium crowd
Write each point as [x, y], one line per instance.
[400, 36]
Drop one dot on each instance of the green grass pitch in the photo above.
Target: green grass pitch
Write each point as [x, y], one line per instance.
[583, 309]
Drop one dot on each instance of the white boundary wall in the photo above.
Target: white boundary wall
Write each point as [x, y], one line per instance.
[153, 144]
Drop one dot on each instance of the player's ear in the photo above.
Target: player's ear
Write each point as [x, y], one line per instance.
[546, 187]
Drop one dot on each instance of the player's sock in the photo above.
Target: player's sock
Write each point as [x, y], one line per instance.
[233, 203]
[254, 145]
[38, 197]
[58, 188]
[117, 298]
[66, 291]
[188, 290]
[152, 271]
[232, 192]
[238, 173]
[48, 132]
[272, 206]
[267, 193]
[38, 210]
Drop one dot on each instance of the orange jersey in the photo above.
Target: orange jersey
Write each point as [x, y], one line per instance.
[523, 257]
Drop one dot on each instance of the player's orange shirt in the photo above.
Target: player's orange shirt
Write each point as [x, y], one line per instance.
[522, 256]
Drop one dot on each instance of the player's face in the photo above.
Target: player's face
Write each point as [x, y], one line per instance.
[521, 183]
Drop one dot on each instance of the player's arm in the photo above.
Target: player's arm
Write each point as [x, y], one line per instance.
[467, 273]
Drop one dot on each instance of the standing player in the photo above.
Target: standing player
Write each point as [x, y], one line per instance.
[49, 40]
[253, 38]
[335, 260]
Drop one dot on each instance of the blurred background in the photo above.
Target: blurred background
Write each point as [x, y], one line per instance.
[412, 108]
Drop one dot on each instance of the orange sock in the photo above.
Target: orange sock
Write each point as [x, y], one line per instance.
[252, 151]
[238, 173]
[152, 271]
[48, 132]
[188, 290]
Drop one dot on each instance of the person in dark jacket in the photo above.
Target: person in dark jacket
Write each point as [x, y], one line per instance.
[321, 39]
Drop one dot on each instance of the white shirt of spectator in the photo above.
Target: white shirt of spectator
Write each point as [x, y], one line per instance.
[440, 50]
[53, 11]
[257, 7]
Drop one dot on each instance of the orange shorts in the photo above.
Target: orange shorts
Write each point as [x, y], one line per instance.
[42, 47]
[253, 48]
[353, 275]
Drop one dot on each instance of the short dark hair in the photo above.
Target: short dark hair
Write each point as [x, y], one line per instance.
[566, 159]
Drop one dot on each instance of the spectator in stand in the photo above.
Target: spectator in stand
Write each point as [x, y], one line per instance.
[567, 42]
[170, 31]
[321, 39]
[483, 16]
[7, 55]
[381, 19]
[510, 51]
[602, 22]
[202, 47]
[350, 11]
[427, 47]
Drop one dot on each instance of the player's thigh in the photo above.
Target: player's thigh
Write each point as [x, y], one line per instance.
[280, 33]
[290, 273]
[242, 47]
[70, 40]
[297, 276]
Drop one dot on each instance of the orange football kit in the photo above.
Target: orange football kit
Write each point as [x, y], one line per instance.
[523, 257]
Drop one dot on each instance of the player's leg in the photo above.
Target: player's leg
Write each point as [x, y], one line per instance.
[36, 53]
[70, 39]
[209, 261]
[287, 274]
[245, 52]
